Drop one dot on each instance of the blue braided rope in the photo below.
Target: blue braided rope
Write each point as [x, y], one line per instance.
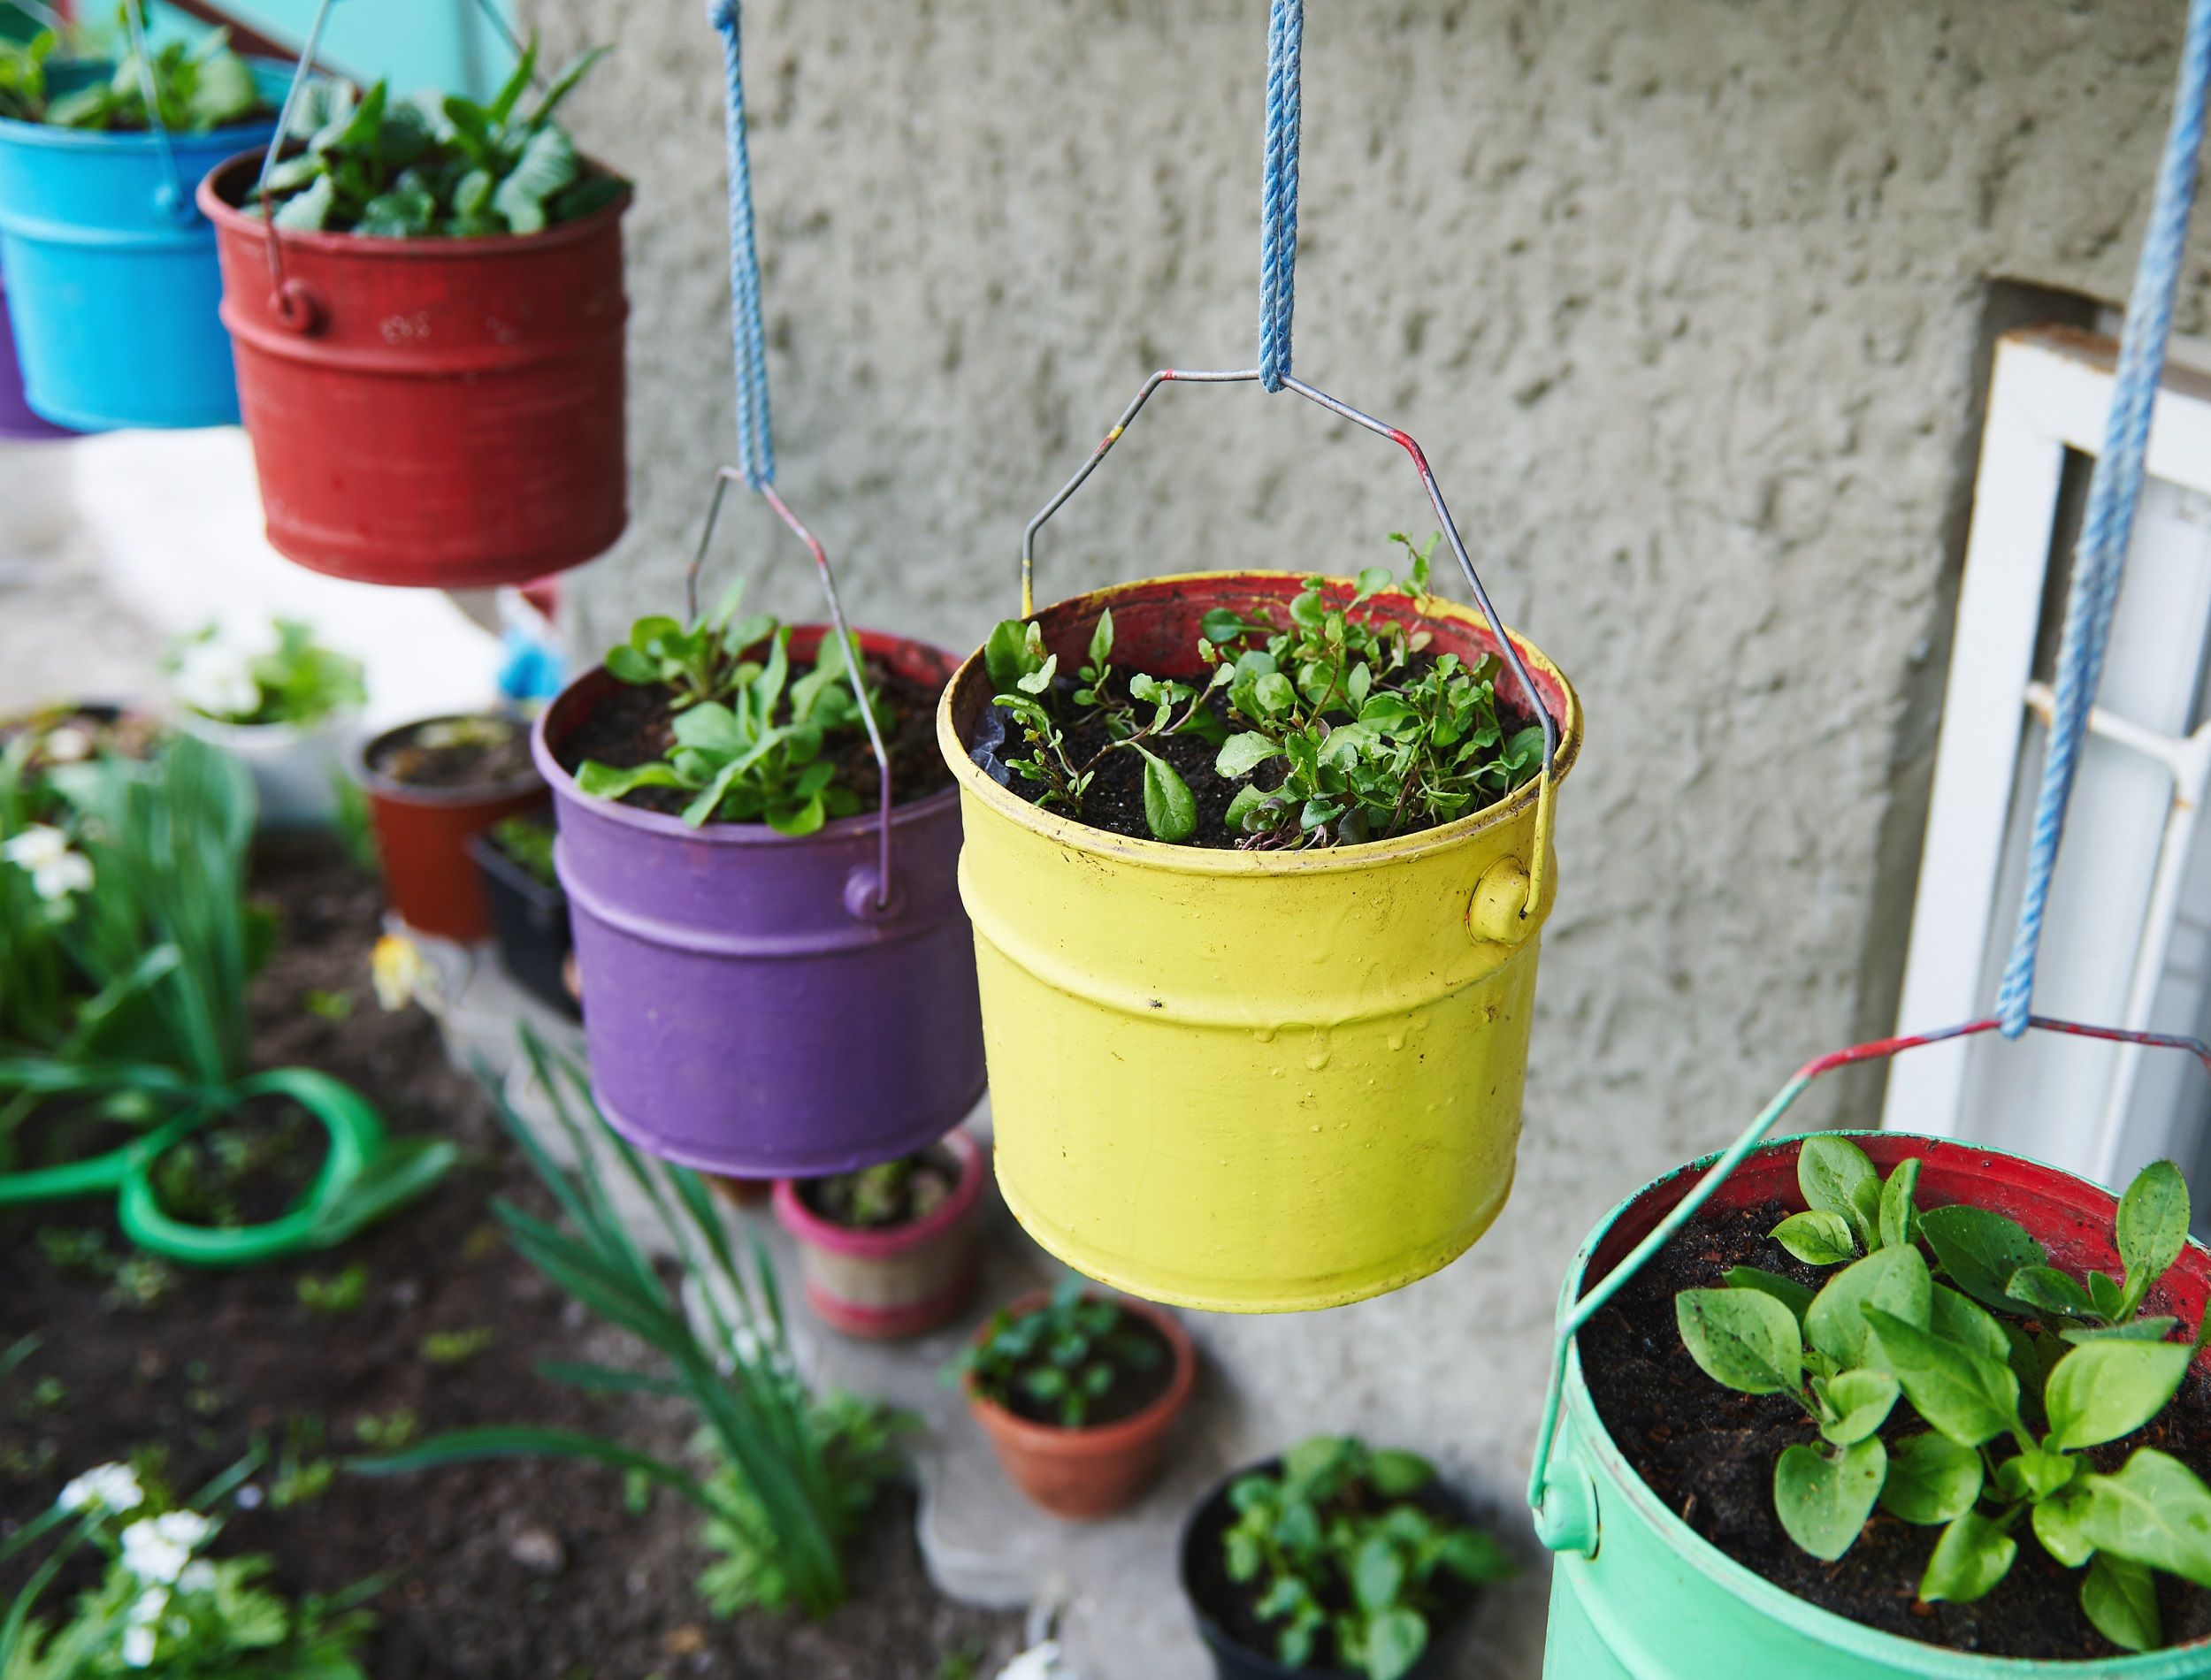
[2114, 492]
[1278, 196]
[755, 428]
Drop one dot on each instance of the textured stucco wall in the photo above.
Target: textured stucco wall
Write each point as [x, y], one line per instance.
[1682, 297]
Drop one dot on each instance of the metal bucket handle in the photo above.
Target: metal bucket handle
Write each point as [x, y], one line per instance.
[297, 305]
[859, 899]
[1565, 1511]
[175, 198]
[1539, 865]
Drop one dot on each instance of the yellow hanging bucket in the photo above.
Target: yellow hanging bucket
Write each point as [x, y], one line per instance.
[1250, 1081]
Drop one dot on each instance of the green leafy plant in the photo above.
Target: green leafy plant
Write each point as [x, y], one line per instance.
[900, 1192]
[285, 678]
[1359, 735]
[528, 840]
[788, 1470]
[1062, 1356]
[1345, 1557]
[455, 1347]
[749, 736]
[2013, 1404]
[334, 1297]
[200, 86]
[160, 1607]
[437, 165]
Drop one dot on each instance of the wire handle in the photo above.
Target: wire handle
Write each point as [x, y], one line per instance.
[723, 479]
[2114, 490]
[178, 194]
[1540, 866]
[295, 306]
[1570, 1319]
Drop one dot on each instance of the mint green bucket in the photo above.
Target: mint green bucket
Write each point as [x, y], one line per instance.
[1636, 1593]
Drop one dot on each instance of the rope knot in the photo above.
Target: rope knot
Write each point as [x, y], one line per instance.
[724, 14]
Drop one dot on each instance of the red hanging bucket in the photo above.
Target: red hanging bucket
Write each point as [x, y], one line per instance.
[443, 413]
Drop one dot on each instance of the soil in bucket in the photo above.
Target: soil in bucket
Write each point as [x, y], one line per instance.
[886, 1197]
[470, 751]
[629, 726]
[1709, 1451]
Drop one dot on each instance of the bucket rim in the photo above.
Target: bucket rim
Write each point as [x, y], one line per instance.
[231, 219]
[925, 809]
[1212, 860]
[1612, 1471]
[15, 131]
[385, 787]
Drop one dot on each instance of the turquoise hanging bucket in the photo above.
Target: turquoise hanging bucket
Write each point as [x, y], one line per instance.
[112, 284]
[1637, 1593]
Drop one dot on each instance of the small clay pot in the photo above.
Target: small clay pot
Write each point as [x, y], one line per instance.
[1086, 1473]
[903, 1280]
[421, 836]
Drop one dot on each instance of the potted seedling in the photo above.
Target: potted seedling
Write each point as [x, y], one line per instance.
[1078, 1391]
[433, 785]
[1243, 848]
[529, 912]
[775, 972]
[1887, 1405]
[282, 704]
[1335, 1561]
[112, 284]
[434, 384]
[889, 1250]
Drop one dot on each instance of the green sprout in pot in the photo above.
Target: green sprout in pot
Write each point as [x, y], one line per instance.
[437, 165]
[276, 674]
[1345, 1561]
[1334, 728]
[890, 1193]
[1058, 1361]
[528, 841]
[1954, 1378]
[200, 86]
[746, 736]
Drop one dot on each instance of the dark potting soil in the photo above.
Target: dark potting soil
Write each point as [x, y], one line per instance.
[1134, 1386]
[882, 1198]
[483, 751]
[1233, 1605]
[1709, 1452]
[1114, 799]
[632, 726]
[514, 1570]
[244, 1168]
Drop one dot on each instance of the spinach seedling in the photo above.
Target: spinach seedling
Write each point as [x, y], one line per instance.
[1062, 1357]
[1337, 1544]
[2010, 1408]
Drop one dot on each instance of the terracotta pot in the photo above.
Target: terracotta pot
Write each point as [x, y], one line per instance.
[422, 837]
[904, 1281]
[1083, 1473]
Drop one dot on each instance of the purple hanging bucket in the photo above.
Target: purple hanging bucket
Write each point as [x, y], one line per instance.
[750, 1008]
[16, 418]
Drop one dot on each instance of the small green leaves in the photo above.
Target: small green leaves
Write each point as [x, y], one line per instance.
[1893, 1279]
[1742, 1338]
[1395, 1641]
[1856, 1402]
[2119, 1598]
[2046, 1289]
[2059, 1522]
[1394, 1473]
[1931, 1479]
[1899, 1220]
[1968, 1395]
[1169, 810]
[1240, 754]
[2153, 1511]
[2103, 1390]
[1823, 1500]
[2035, 1474]
[1837, 1178]
[1979, 1250]
[2151, 1228]
[1817, 1237]
[1788, 1291]
[1955, 1318]
[1970, 1558]
[1013, 650]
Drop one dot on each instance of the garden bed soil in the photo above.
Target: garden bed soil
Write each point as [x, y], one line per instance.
[1233, 1605]
[1709, 1452]
[633, 725]
[402, 757]
[1132, 1391]
[244, 1168]
[928, 1186]
[513, 1571]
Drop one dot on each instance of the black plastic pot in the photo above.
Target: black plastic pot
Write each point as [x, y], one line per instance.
[1233, 1660]
[530, 922]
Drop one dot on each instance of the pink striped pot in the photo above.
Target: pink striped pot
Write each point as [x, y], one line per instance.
[905, 1281]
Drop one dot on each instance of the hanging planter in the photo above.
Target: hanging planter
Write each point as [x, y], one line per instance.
[529, 912]
[434, 389]
[432, 786]
[1636, 1434]
[890, 1251]
[18, 421]
[113, 284]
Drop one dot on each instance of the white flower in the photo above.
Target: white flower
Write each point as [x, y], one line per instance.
[111, 1487]
[66, 744]
[43, 854]
[198, 1576]
[216, 679]
[138, 1648]
[147, 1608]
[156, 1548]
[1038, 1662]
